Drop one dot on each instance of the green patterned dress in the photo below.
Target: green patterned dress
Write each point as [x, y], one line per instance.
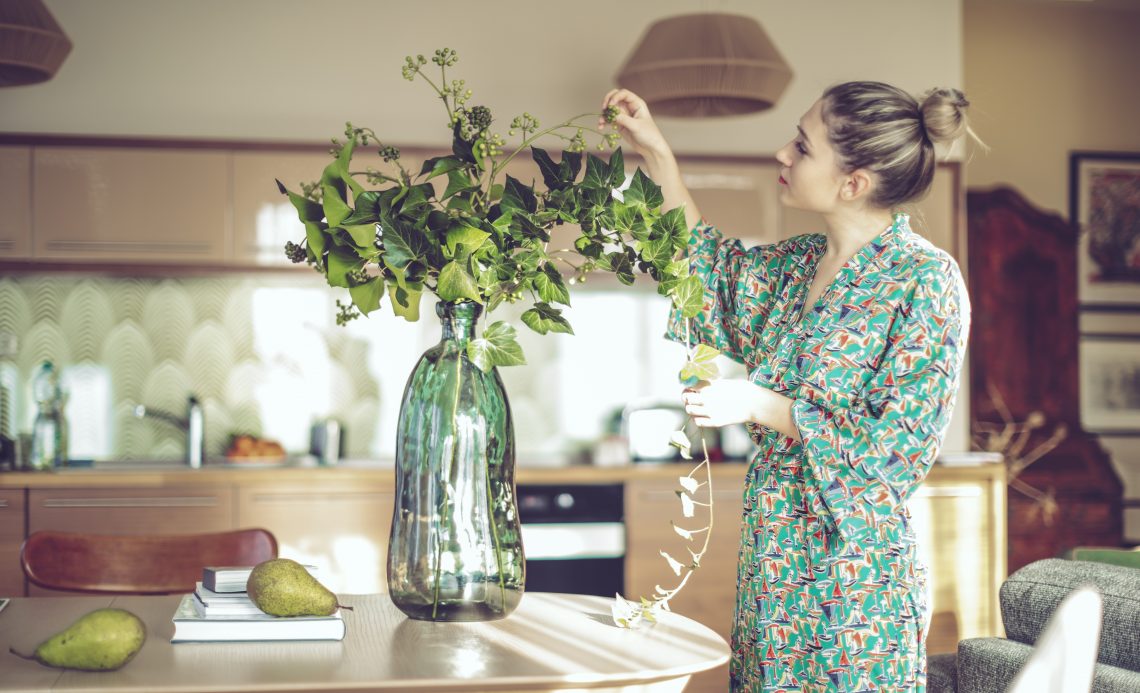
[830, 593]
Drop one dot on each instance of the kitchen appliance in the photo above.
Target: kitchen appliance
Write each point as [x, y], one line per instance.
[574, 538]
[648, 427]
[326, 441]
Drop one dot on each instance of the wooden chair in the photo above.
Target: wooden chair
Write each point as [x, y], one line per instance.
[137, 564]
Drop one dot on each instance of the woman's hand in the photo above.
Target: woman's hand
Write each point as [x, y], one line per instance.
[726, 402]
[636, 125]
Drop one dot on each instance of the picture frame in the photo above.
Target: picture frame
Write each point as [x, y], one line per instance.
[1110, 372]
[1104, 204]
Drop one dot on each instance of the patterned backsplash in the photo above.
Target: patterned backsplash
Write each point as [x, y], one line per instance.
[264, 356]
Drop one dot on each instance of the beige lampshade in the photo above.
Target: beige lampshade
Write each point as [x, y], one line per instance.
[708, 64]
[32, 45]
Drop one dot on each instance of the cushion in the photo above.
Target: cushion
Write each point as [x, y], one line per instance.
[989, 665]
[942, 673]
[1029, 597]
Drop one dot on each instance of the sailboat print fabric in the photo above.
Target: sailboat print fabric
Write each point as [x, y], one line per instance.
[831, 595]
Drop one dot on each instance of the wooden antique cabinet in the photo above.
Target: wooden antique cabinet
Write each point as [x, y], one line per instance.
[13, 529]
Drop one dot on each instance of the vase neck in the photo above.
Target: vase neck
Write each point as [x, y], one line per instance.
[458, 321]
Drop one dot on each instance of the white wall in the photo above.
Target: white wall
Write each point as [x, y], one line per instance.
[297, 70]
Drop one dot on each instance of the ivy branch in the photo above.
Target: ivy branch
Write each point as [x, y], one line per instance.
[628, 614]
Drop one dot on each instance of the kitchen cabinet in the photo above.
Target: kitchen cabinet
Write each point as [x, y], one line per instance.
[12, 533]
[128, 205]
[263, 218]
[162, 510]
[958, 518]
[342, 528]
[16, 201]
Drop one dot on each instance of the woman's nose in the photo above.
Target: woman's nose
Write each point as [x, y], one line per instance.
[784, 156]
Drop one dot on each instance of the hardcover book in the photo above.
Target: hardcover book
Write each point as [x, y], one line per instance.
[233, 578]
[191, 626]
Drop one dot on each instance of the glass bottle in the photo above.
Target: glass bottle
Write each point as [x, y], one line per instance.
[455, 552]
[49, 430]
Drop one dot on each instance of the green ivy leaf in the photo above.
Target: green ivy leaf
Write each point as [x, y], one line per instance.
[543, 318]
[550, 171]
[367, 296]
[622, 266]
[317, 240]
[439, 165]
[335, 208]
[550, 286]
[363, 235]
[469, 237]
[404, 244]
[659, 252]
[307, 210]
[497, 347]
[458, 181]
[672, 226]
[518, 196]
[597, 174]
[461, 147]
[617, 169]
[456, 284]
[406, 301]
[588, 247]
[341, 262]
[688, 296]
[336, 173]
[643, 191]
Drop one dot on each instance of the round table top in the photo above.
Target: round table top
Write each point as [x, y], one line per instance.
[551, 642]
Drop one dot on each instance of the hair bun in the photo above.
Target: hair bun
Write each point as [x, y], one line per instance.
[944, 114]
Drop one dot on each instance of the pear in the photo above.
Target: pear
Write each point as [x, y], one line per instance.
[102, 640]
[282, 587]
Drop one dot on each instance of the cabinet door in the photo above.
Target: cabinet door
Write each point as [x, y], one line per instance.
[12, 529]
[342, 528]
[264, 219]
[710, 595]
[960, 527]
[16, 201]
[167, 510]
[127, 205]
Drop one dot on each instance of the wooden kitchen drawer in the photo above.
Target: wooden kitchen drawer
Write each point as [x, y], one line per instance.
[16, 201]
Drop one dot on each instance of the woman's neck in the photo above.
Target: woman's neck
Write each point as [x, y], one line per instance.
[849, 230]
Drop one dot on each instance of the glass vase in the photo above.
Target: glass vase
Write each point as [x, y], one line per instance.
[455, 552]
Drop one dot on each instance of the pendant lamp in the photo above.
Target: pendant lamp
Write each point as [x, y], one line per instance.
[708, 64]
[32, 45]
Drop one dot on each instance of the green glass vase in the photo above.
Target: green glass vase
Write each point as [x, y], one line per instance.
[455, 552]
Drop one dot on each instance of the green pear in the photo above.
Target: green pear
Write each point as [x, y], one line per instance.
[102, 640]
[282, 587]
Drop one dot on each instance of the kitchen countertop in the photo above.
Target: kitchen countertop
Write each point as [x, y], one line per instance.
[953, 466]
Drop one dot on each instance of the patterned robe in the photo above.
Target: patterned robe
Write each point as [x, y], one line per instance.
[830, 593]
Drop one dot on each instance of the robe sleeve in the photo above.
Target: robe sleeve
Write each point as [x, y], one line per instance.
[862, 466]
[739, 287]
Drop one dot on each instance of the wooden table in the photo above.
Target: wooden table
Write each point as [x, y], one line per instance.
[552, 642]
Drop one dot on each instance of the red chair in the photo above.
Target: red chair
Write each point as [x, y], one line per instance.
[137, 563]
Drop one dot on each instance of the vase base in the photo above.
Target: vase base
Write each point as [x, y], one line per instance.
[459, 610]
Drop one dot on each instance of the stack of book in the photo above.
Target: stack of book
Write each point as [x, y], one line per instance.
[220, 610]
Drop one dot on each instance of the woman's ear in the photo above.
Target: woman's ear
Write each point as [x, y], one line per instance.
[858, 185]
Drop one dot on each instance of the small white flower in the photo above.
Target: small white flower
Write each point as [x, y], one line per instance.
[680, 441]
[689, 484]
[681, 530]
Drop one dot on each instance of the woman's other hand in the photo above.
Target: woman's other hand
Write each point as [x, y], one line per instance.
[722, 402]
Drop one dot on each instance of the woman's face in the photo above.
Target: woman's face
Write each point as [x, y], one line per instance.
[810, 178]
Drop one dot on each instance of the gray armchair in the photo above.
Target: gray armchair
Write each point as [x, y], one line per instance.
[1028, 599]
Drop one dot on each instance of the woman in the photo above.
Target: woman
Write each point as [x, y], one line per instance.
[853, 340]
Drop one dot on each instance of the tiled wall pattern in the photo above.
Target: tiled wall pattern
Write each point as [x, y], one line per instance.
[264, 356]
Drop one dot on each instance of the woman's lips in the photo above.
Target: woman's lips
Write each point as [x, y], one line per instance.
[782, 181]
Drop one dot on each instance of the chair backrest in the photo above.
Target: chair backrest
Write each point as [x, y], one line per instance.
[137, 563]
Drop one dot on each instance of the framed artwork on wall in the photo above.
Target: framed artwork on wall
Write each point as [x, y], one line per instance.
[1104, 201]
[1110, 372]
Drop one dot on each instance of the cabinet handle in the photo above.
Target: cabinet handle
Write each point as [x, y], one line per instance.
[166, 502]
[6, 244]
[3, 503]
[127, 247]
[319, 497]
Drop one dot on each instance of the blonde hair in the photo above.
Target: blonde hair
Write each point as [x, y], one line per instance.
[885, 130]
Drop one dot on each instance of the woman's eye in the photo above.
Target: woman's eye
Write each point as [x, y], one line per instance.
[801, 148]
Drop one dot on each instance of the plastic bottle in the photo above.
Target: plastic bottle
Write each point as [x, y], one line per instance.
[49, 431]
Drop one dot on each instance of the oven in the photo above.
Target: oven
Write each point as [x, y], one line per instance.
[574, 538]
